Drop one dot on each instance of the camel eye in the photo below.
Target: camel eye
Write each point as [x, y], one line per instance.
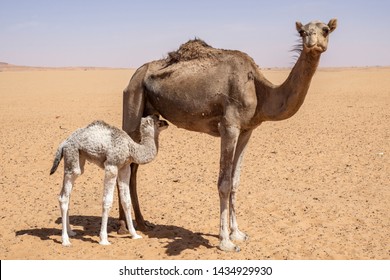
[325, 31]
[302, 33]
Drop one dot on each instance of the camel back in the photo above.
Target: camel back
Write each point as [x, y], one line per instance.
[191, 50]
[199, 50]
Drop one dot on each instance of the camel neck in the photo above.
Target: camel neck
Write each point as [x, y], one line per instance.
[145, 151]
[283, 101]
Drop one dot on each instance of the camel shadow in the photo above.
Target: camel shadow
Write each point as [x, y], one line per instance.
[90, 227]
[178, 238]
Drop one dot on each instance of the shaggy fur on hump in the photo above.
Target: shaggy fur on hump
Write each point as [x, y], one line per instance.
[197, 49]
[193, 49]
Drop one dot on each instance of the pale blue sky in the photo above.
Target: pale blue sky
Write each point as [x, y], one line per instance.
[130, 33]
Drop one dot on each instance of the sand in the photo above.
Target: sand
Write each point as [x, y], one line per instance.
[316, 186]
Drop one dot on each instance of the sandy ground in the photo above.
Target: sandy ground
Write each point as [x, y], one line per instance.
[316, 186]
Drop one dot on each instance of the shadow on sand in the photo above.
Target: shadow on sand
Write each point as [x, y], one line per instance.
[178, 238]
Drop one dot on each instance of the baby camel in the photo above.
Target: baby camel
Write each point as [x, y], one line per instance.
[113, 150]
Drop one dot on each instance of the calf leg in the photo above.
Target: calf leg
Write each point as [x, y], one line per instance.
[124, 195]
[110, 176]
[141, 224]
[69, 179]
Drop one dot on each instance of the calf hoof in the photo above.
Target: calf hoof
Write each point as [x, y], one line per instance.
[104, 242]
[228, 246]
[136, 236]
[238, 236]
[66, 243]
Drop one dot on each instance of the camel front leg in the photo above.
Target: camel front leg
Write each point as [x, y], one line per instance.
[141, 224]
[229, 136]
[133, 109]
[242, 142]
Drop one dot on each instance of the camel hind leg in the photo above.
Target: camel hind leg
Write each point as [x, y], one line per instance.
[64, 199]
[71, 171]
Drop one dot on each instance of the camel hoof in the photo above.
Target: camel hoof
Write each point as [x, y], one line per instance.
[238, 236]
[104, 242]
[66, 243]
[228, 246]
[122, 231]
[146, 226]
[136, 236]
[71, 233]
[122, 228]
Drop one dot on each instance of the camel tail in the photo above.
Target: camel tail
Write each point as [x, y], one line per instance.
[57, 159]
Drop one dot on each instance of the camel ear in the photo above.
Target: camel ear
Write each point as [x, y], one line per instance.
[298, 26]
[332, 24]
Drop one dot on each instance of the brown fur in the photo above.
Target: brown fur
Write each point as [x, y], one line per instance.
[193, 49]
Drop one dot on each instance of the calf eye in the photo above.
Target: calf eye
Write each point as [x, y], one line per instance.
[302, 33]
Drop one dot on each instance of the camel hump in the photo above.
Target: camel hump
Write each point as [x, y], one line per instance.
[191, 50]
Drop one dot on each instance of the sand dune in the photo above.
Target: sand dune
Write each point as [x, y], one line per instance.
[316, 186]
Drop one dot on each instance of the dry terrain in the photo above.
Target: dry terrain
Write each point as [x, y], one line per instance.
[316, 186]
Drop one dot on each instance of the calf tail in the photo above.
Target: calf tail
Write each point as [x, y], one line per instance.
[57, 159]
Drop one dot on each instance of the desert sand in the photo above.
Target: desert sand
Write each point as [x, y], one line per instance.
[316, 186]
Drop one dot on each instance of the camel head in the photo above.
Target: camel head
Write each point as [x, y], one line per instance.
[153, 123]
[315, 35]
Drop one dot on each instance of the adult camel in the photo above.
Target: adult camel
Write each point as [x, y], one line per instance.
[222, 93]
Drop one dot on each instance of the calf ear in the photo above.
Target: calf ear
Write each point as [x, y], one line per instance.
[162, 123]
[332, 24]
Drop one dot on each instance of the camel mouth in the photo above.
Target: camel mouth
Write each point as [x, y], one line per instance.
[319, 48]
[316, 48]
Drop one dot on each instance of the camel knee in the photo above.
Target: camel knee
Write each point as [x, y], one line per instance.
[64, 196]
[224, 189]
[72, 165]
[111, 171]
[126, 202]
[107, 202]
[224, 194]
[124, 191]
[64, 201]
[69, 178]
[77, 171]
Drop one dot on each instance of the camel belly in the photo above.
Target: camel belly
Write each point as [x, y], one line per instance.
[189, 114]
[195, 96]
